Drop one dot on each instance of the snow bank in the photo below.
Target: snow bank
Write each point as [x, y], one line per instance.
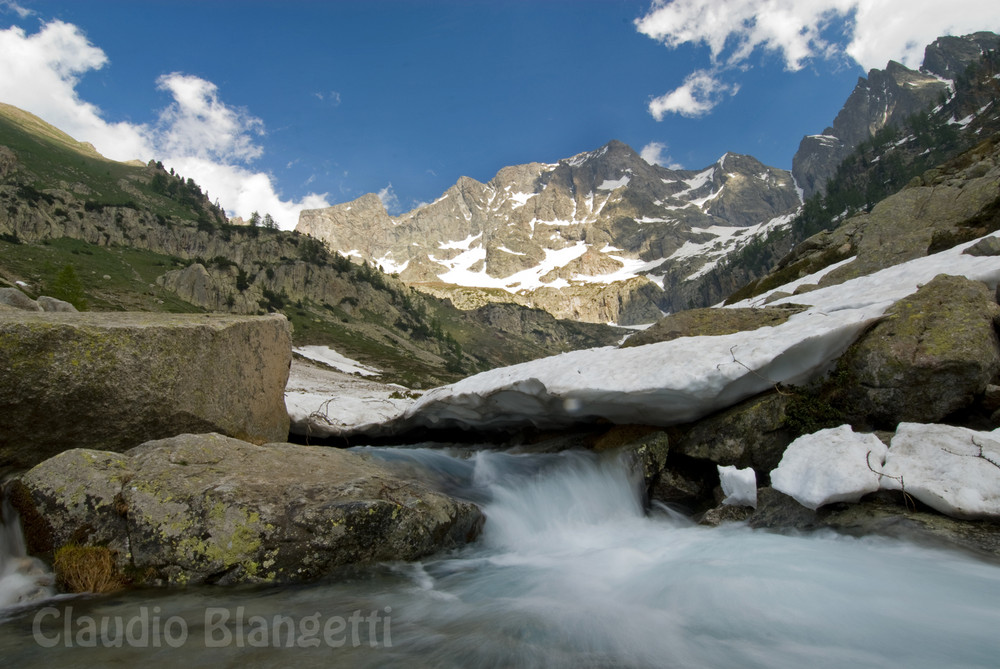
[834, 465]
[685, 379]
[954, 470]
[330, 358]
[323, 402]
[663, 384]
[738, 485]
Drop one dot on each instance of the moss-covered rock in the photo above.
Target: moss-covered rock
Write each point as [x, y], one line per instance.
[114, 380]
[932, 354]
[212, 509]
[753, 433]
[711, 322]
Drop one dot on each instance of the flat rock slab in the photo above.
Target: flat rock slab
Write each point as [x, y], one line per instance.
[212, 509]
[115, 380]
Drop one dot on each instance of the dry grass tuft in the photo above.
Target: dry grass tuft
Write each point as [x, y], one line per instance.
[87, 569]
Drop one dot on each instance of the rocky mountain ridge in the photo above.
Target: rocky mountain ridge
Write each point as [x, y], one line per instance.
[886, 98]
[541, 232]
[604, 236]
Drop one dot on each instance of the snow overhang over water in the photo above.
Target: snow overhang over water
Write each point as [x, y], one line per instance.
[681, 380]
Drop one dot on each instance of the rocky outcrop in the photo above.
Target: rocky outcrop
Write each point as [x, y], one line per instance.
[885, 98]
[754, 433]
[916, 220]
[710, 322]
[630, 302]
[114, 380]
[362, 225]
[952, 204]
[931, 356]
[212, 509]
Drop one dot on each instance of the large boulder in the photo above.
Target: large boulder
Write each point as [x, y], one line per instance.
[753, 433]
[212, 509]
[12, 297]
[933, 353]
[114, 380]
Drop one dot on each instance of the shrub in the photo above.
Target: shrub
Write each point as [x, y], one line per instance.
[87, 569]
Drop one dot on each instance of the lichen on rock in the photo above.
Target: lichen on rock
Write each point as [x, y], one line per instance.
[213, 509]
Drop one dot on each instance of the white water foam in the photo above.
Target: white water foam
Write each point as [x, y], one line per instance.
[23, 579]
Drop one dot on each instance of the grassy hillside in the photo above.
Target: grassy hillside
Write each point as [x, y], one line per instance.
[116, 236]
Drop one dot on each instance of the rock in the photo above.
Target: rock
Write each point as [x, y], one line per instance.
[933, 353]
[725, 513]
[52, 304]
[114, 380]
[988, 246]
[212, 509]
[709, 322]
[752, 433]
[678, 488]
[776, 510]
[648, 449]
[953, 470]
[885, 514]
[833, 465]
[12, 297]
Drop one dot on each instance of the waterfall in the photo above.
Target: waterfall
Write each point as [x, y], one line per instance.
[23, 579]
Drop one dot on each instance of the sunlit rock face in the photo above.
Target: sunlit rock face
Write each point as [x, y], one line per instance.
[591, 237]
[885, 98]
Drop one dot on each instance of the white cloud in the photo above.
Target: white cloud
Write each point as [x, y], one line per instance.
[332, 96]
[875, 31]
[197, 134]
[198, 124]
[733, 29]
[701, 91]
[39, 73]
[245, 191]
[12, 6]
[886, 30]
[655, 153]
[389, 200]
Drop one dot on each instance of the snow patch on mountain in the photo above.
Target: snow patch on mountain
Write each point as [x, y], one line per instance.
[609, 184]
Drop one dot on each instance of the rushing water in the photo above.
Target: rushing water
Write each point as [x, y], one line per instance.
[23, 579]
[570, 572]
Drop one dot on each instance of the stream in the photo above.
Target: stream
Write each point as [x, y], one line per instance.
[570, 571]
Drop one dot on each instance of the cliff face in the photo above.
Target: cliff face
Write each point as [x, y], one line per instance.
[591, 237]
[886, 98]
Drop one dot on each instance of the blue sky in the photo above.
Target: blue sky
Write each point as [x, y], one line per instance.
[275, 106]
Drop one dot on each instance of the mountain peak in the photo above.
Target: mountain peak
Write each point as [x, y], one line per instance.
[886, 97]
[591, 237]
